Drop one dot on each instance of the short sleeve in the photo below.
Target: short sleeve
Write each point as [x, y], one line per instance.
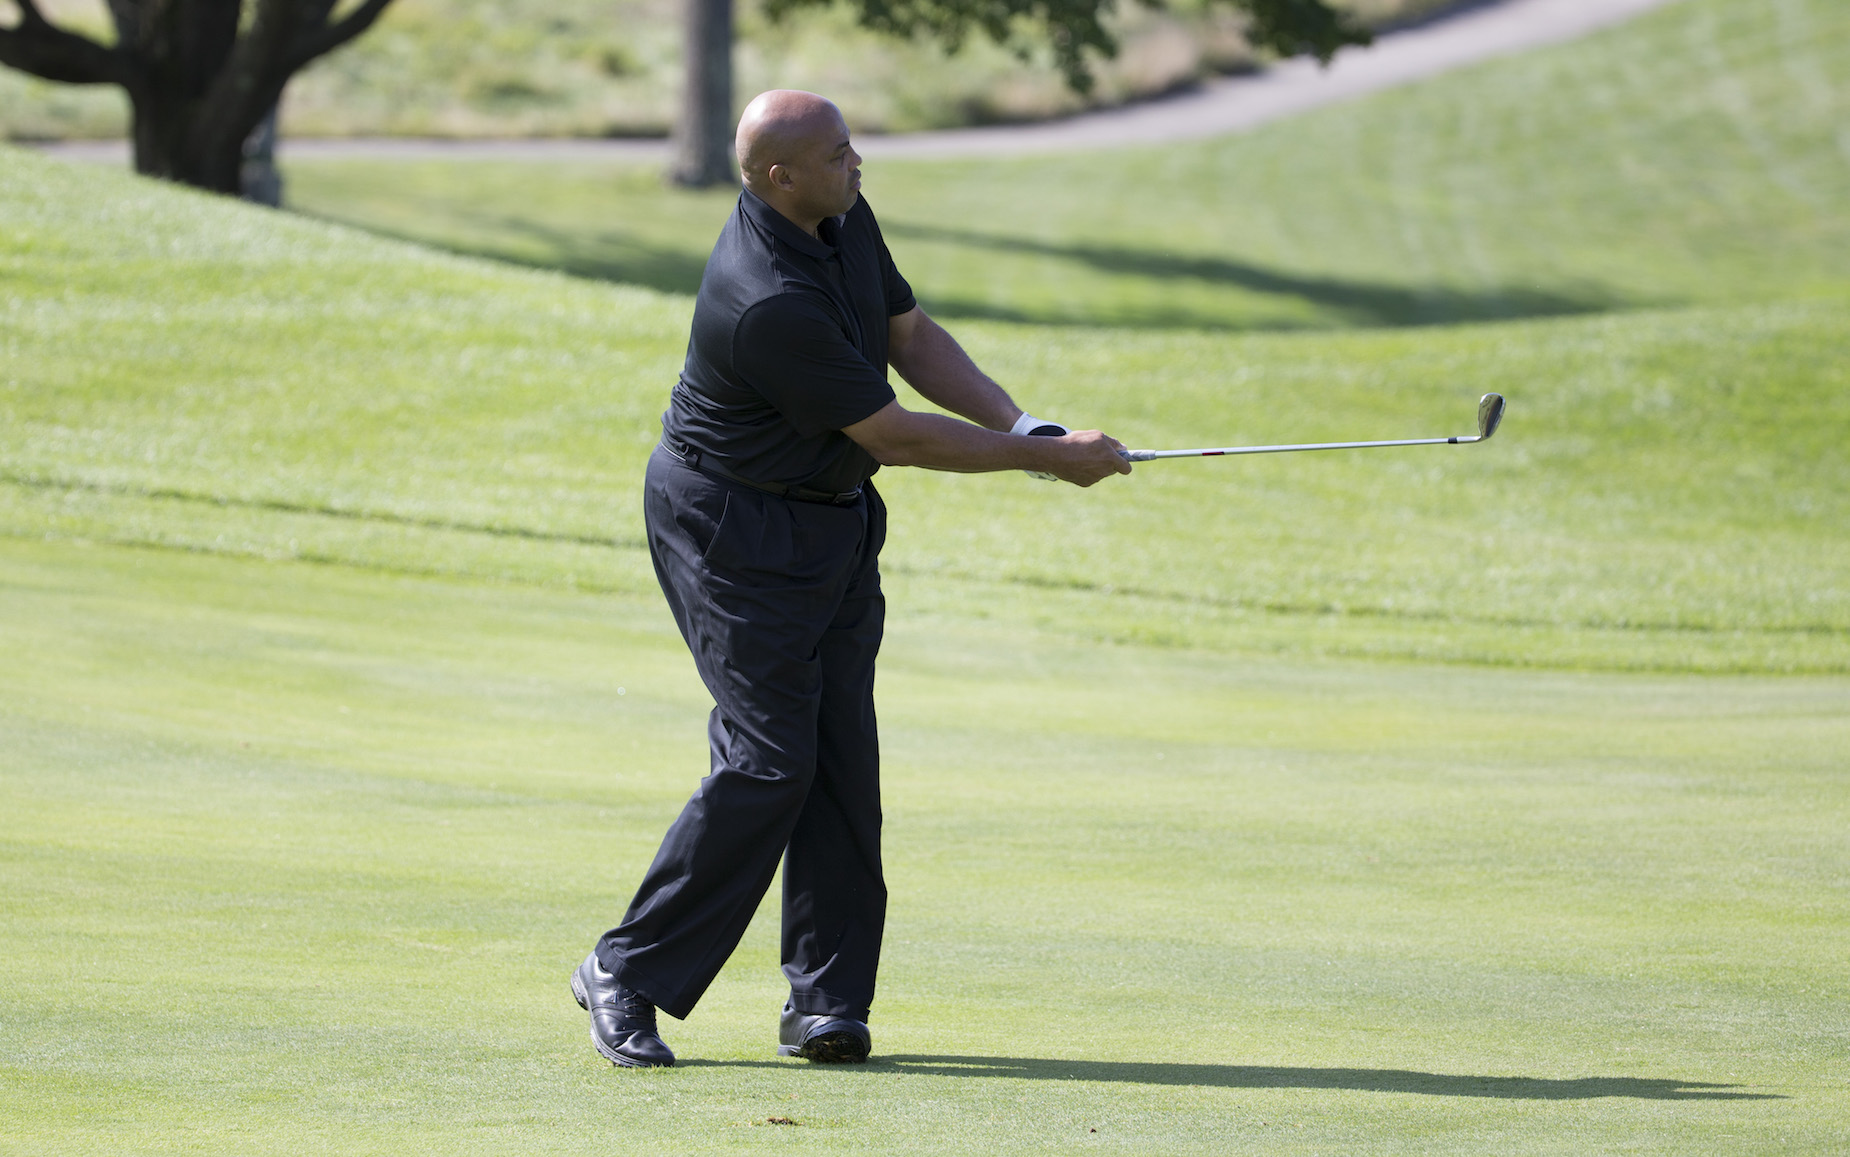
[898, 290]
[899, 297]
[793, 353]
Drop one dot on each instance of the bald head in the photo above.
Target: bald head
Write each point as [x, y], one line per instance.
[794, 153]
[781, 126]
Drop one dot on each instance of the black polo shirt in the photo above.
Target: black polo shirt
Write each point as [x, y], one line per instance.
[788, 346]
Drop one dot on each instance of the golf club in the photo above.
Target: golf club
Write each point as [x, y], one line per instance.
[1489, 414]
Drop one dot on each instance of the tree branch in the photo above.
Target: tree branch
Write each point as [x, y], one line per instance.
[1076, 29]
[38, 46]
[127, 15]
[251, 79]
[323, 40]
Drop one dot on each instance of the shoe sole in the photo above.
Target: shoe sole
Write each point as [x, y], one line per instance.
[612, 1055]
[830, 1048]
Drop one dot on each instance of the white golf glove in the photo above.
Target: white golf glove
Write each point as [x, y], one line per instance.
[1040, 427]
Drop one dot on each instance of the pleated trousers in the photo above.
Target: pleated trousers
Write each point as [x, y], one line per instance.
[780, 603]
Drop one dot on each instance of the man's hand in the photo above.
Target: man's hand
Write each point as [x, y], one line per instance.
[1086, 456]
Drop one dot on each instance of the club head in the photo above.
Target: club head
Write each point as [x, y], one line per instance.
[1489, 414]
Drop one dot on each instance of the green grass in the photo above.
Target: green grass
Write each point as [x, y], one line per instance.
[1695, 156]
[1666, 494]
[298, 857]
[1486, 799]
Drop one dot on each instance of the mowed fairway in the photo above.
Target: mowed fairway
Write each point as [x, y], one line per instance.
[1465, 799]
[298, 858]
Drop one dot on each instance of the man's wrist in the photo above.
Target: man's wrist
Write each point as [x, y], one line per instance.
[1042, 427]
[1039, 427]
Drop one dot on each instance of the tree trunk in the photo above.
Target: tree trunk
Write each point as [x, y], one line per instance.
[200, 74]
[703, 136]
[261, 183]
[168, 144]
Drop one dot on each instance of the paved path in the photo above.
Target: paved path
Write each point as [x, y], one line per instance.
[1235, 104]
[1219, 107]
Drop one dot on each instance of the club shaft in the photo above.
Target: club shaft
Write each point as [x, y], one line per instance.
[1147, 455]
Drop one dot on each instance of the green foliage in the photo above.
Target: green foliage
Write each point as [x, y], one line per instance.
[1075, 28]
[1298, 27]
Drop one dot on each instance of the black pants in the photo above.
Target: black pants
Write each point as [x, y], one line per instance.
[780, 603]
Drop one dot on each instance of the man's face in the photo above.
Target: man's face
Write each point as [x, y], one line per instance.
[828, 177]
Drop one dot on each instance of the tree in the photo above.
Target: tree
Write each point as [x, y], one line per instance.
[200, 74]
[1072, 28]
[703, 132]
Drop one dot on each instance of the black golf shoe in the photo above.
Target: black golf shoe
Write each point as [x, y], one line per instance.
[830, 1039]
[622, 1021]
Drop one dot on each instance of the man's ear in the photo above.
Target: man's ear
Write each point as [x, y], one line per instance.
[781, 177]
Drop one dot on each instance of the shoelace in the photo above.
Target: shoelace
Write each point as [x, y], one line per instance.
[637, 1011]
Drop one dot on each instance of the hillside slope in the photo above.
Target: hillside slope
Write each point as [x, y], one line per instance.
[1668, 490]
[1694, 155]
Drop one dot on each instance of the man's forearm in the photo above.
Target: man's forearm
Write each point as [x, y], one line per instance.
[896, 436]
[937, 367]
[935, 442]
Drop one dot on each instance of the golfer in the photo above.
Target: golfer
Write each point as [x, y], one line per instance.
[765, 530]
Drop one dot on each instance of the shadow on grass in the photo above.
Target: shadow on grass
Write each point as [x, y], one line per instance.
[1359, 302]
[1271, 1077]
[630, 258]
[599, 255]
[324, 510]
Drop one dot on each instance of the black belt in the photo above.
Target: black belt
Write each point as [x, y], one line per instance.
[693, 458]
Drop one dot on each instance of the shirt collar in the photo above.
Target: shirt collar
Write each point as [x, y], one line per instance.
[783, 228]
